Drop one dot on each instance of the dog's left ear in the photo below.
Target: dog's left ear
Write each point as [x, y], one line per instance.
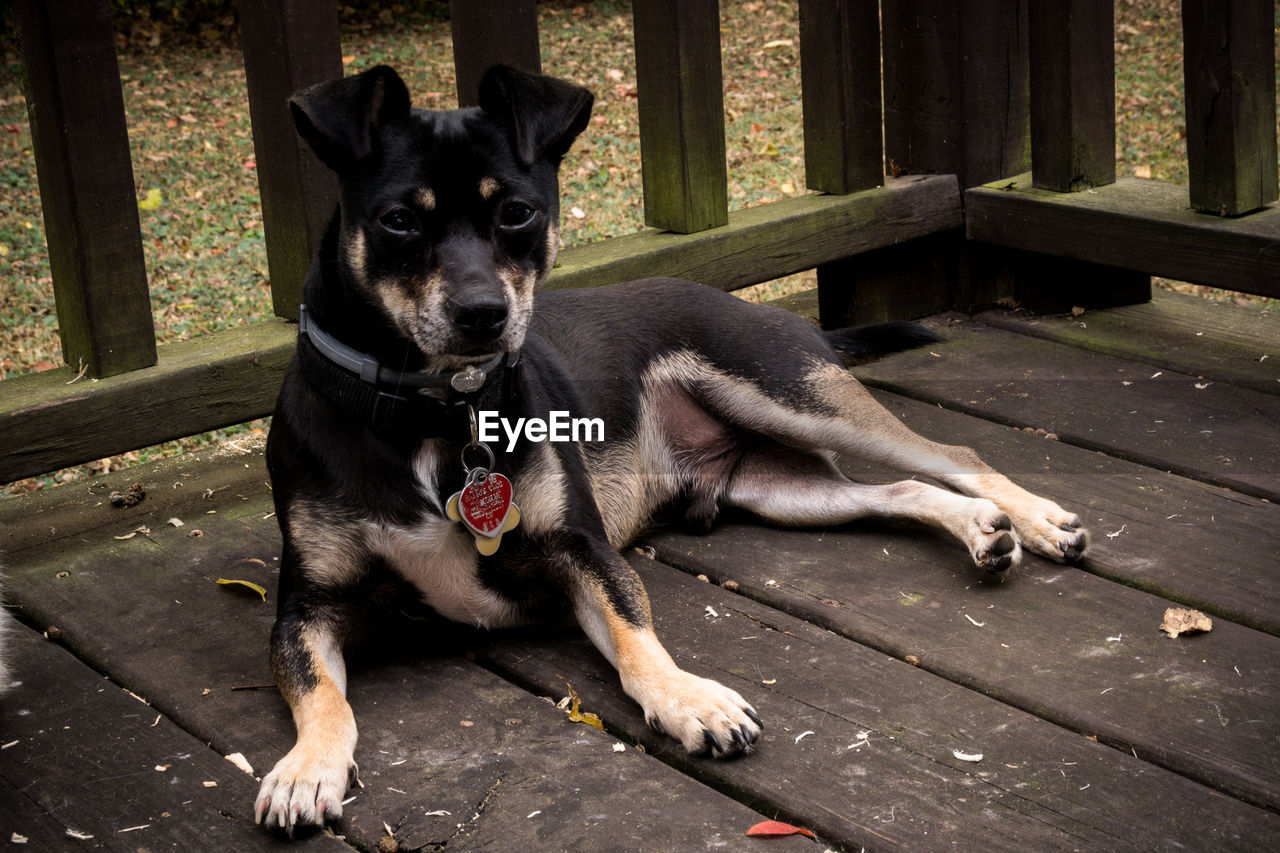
[340, 119]
[546, 113]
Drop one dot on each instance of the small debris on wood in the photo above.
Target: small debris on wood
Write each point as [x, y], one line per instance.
[176, 522]
[210, 783]
[1179, 620]
[975, 621]
[704, 578]
[195, 534]
[1077, 310]
[579, 716]
[144, 530]
[619, 747]
[388, 844]
[53, 632]
[804, 735]
[777, 829]
[973, 757]
[258, 588]
[732, 586]
[711, 611]
[63, 574]
[240, 761]
[912, 659]
[78, 835]
[129, 497]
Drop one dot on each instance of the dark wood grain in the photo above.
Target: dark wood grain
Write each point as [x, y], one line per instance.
[288, 46]
[491, 32]
[81, 144]
[1073, 91]
[1229, 68]
[1132, 224]
[681, 112]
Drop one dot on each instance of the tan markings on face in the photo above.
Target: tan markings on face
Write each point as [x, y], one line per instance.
[553, 249]
[488, 187]
[354, 254]
[426, 199]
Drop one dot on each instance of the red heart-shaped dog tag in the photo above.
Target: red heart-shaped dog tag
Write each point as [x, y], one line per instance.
[484, 504]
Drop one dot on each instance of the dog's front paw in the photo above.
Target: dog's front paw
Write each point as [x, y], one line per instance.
[705, 716]
[304, 788]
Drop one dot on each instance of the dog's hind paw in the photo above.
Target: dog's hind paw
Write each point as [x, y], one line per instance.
[303, 790]
[705, 716]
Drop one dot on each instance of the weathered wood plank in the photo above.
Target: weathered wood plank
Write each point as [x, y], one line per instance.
[83, 756]
[681, 114]
[860, 746]
[1046, 641]
[438, 734]
[955, 88]
[491, 32]
[1073, 93]
[1229, 68]
[288, 46]
[840, 86]
[1132, 224]
[214, 381]
[1200, 545]
[1210, 431]
[773, 240]
[81, 144]
[1211, 340]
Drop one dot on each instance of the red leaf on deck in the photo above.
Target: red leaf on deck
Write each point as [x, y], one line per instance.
[777, 829]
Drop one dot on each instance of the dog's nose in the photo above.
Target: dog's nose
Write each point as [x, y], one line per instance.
[480, 316]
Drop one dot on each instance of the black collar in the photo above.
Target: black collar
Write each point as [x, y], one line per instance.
[428, 404]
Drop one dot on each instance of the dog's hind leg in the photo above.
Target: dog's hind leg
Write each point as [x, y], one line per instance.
[804, 489]
[841, 415]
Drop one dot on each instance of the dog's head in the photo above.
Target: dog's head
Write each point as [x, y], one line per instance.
[449, 221]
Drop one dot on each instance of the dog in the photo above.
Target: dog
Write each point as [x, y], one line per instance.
[420, 312]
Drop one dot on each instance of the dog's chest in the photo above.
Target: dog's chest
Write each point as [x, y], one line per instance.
[438, 556]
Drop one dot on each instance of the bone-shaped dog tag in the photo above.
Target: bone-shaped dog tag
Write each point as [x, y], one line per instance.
[485, 507]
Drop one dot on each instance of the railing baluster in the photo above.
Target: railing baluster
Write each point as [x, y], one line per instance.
[1073, 92]
[491, 32]
[76, 110]
[288, 45]
[1229, 63]
[840, 77]
[679, 81]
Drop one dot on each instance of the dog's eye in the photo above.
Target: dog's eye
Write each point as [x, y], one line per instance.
[516, 214]
[398, 221]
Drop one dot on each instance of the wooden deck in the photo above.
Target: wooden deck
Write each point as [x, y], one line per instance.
[1096, 731]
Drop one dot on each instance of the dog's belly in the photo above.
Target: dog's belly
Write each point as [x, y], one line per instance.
[439, 558]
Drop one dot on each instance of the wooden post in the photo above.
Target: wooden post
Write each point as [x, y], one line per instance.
[289, 45]
[840, 77]
[678, 79]
[491, 32]
[81, 144]
[955, 88]
[1230, 71]
[1073, 85]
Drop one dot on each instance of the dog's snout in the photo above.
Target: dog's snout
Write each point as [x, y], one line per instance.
[480, 316]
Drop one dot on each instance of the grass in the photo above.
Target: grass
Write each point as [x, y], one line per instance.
[195, 171]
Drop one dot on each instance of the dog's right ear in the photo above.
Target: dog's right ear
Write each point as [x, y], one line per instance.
[340, 119]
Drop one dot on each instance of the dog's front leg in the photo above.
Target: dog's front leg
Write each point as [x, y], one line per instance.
[308, 784]
[704, 715]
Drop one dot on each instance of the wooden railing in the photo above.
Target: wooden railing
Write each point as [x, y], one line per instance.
[998, 126]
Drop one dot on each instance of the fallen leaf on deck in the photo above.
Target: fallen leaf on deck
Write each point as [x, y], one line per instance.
[777, 829]
[579, 716]
[1178, 620]
[260, 590]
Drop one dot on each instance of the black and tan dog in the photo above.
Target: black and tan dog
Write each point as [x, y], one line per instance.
[420, 311]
